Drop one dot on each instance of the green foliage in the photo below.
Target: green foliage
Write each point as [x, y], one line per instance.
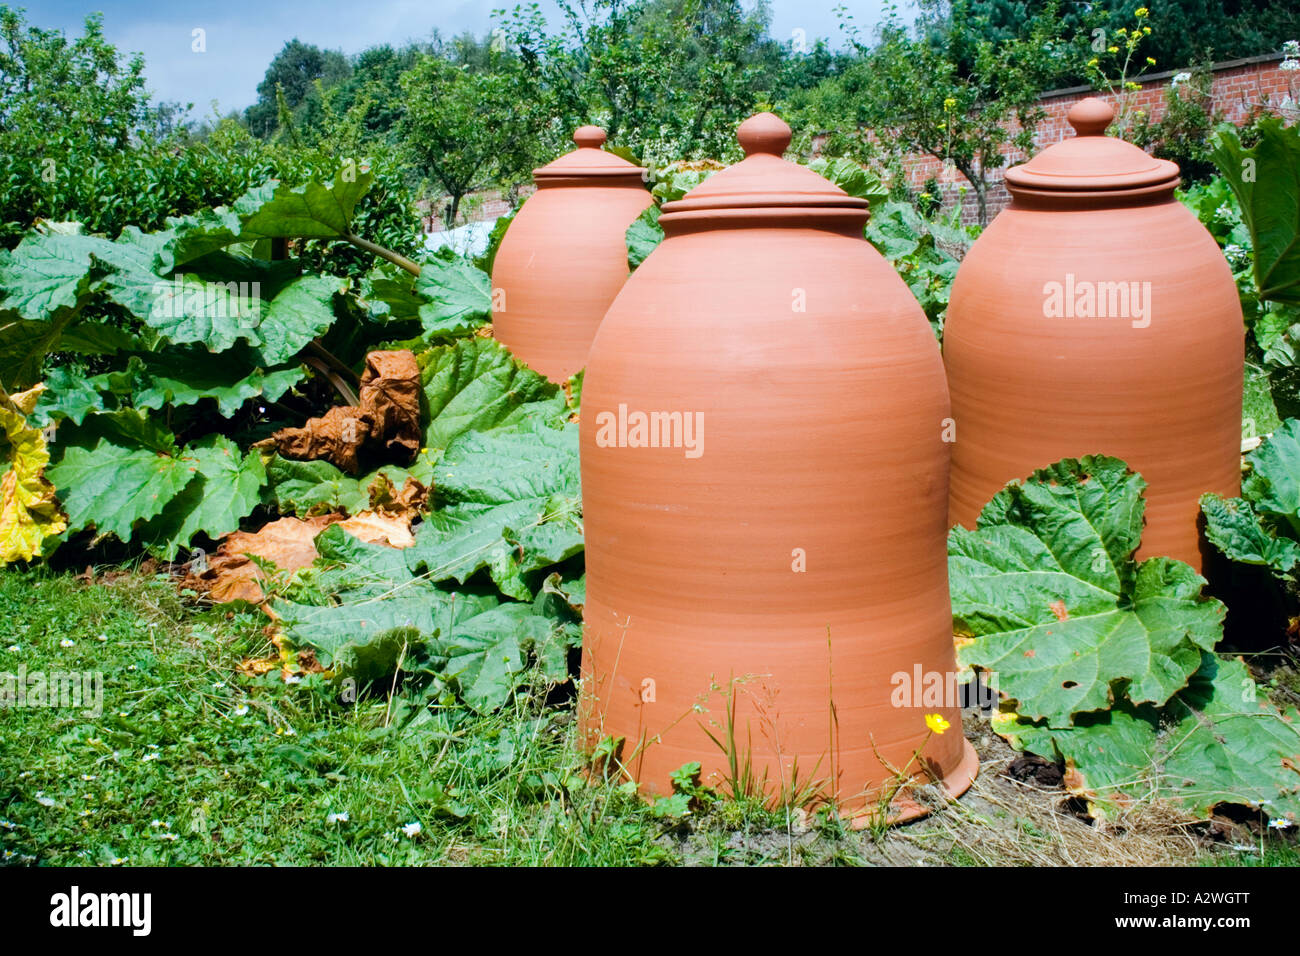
[1266, 182]
[191, 324]
[1182, 133]
[926, 253]
[1062, 613]
[467, 129]
[1108, 664]
[1262, 527]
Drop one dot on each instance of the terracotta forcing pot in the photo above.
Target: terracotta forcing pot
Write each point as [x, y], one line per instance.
[564, 257]
[765, 487]
[1097, 315]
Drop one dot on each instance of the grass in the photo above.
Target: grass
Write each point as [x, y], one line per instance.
[192, 762]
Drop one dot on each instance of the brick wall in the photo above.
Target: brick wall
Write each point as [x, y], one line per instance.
[1240, 87]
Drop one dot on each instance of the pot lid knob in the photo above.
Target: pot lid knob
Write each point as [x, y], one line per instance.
[589, 137]
[1091, 116]
[764, 133]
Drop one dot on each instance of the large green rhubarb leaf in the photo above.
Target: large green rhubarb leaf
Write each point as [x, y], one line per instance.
[476, 384]
[313, 211]
[476, 644]
[459, 297]
[1050, 599]
[298, 313]
[226, 488]
[1266, 181]
[1216, 741]
[513, 507]
[116, 470]
[46, 274]
[1262, 527]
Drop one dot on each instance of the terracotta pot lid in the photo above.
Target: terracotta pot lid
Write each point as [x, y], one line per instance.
[763, 179]
[1091, 161]
[588, 160]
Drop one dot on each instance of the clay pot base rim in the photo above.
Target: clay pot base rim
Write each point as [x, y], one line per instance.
[903, 810]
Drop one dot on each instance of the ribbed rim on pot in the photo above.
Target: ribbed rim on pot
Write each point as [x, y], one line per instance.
[763, 183]
[588, 164]
[1092, 165]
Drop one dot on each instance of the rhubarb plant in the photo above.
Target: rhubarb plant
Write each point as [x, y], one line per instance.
[1106, 663]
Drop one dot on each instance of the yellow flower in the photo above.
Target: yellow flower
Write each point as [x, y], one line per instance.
[949, 105]
[1141, 12]
[1151, 61]
[1112, 49]
[1146, 31]
[936, 723]
[1122, 32]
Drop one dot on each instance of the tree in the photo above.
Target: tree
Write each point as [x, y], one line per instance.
[294, 71]
[955, 95]
[667, 79]
[468, 129]
[56, 95]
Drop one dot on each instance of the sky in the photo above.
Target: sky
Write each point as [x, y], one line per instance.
[241, 36]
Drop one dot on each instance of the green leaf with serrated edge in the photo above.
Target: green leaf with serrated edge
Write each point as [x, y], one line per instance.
[389, 293]
[476, 384]
[852, 177]
[24, 345]
[514, 504]
[1233, 527]
[192, 237]
[185, 376]
[44, 275]
[643, 237]
[484, 656]
[188, 308]
[226, 489]
[1216, 741]
[458, 297]
[475, 643]
[68, 395]
[116, 470]
[300, 312]
[314, 487]
[370, 570]
[1047, 588]
[1273, 484]
[1266, 182]
[312, 211]
[573, 392]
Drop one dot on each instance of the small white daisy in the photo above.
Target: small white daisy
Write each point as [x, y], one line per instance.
[241, 710]
[67, 642]
[1280, 823]
[147, 757]
[338, 818]
[413, 829]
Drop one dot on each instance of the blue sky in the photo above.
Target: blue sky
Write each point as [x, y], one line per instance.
[243, 35]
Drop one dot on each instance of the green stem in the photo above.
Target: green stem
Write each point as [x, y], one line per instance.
[393, 257]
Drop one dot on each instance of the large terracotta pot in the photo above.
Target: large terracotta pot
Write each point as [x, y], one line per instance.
[1035, 378]
[785, 548]
[564, 257]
